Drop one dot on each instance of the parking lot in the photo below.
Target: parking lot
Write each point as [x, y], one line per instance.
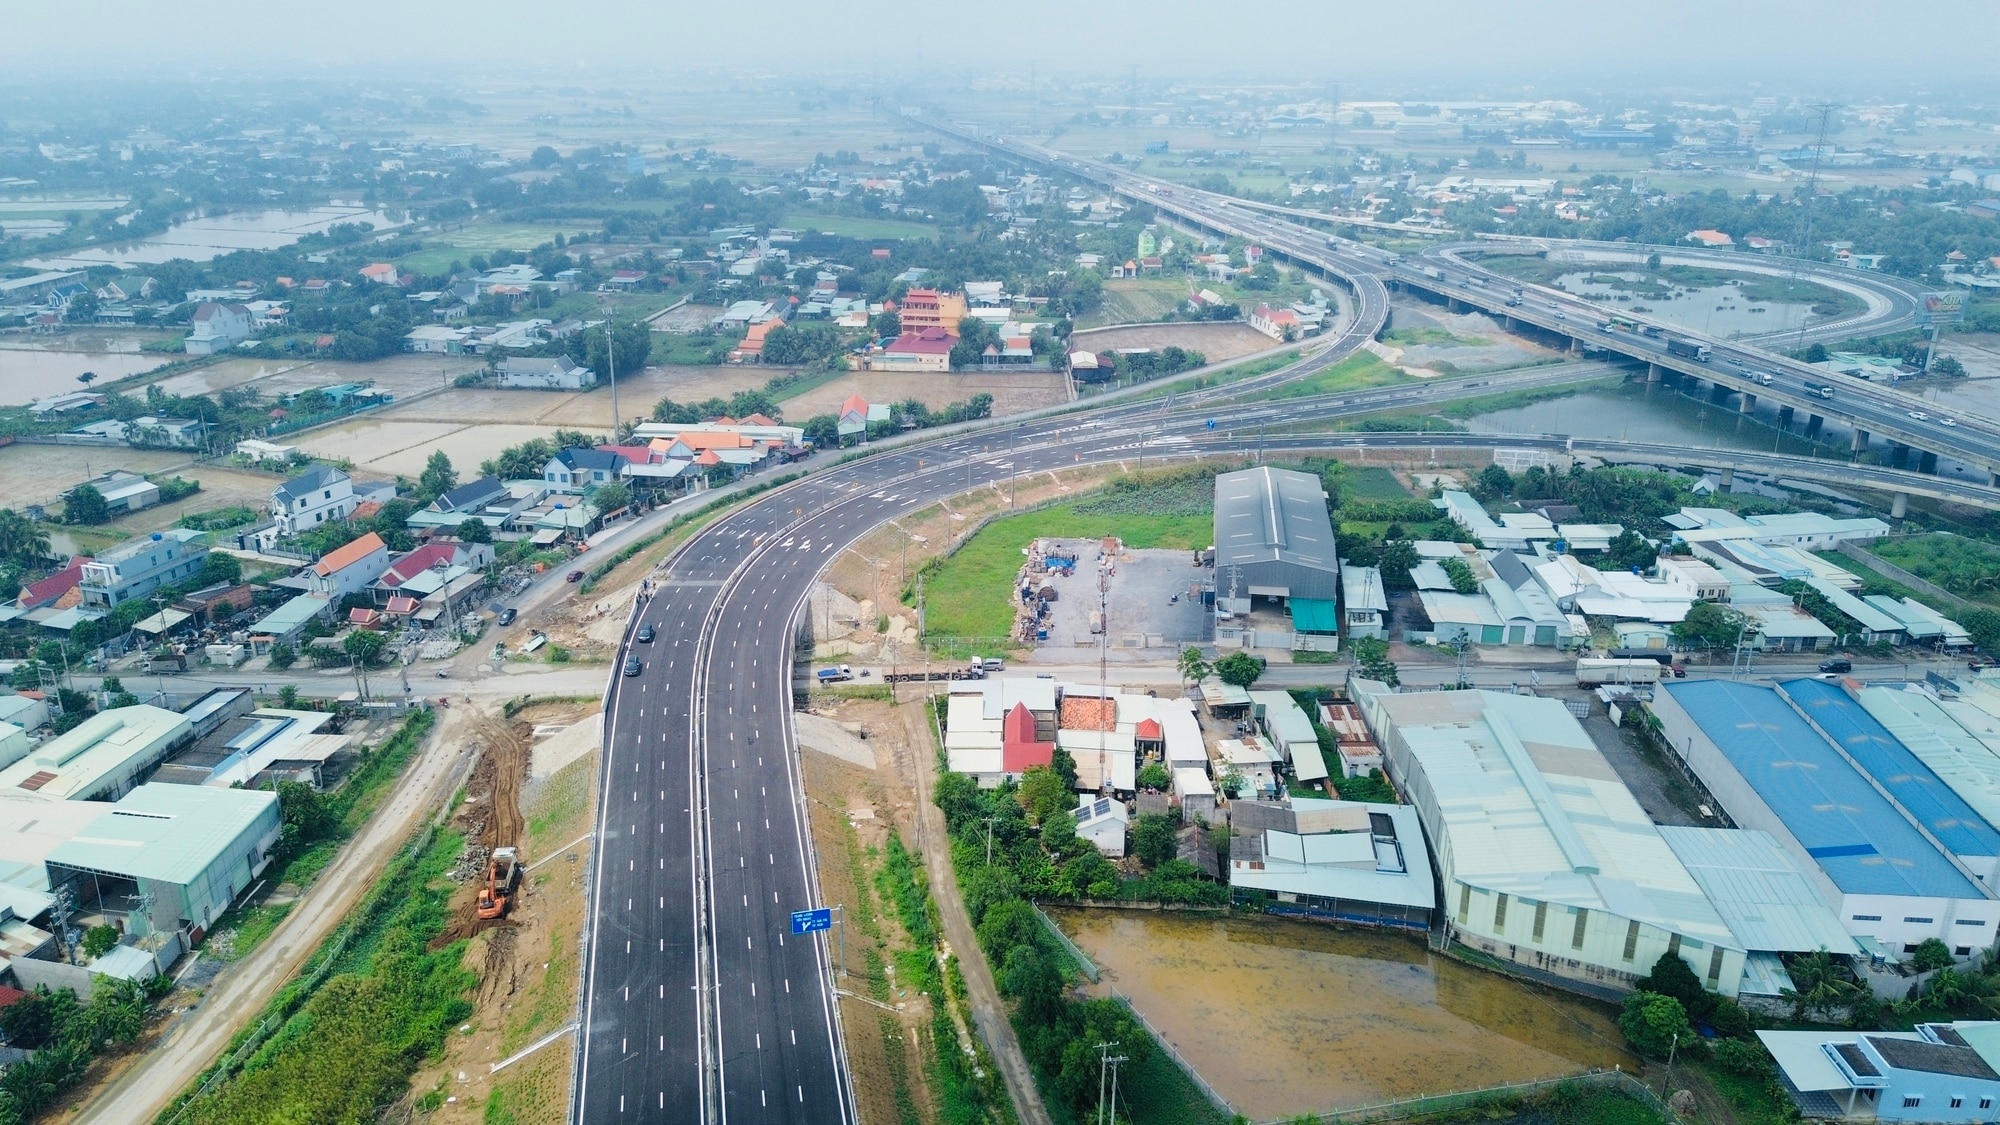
[1142, 607]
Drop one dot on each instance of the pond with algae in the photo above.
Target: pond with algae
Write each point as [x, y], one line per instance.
[1286, 1017]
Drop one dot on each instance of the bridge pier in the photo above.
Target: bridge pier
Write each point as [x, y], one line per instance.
[1813, 424]
[1899, 506]
[1748, 405]
[1993, 478]
[1898, 453]
[1728, 479]
[1652, 373]
[1927, 462]
[1785, 418]
[1860, 441]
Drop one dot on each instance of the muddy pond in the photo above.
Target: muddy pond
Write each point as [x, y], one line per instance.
[1287, 1017]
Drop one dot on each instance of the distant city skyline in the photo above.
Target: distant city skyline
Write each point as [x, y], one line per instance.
[1830, 47]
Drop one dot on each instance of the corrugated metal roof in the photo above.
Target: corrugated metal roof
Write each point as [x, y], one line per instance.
[166, 833]
[1273, 515]
[1858, 838]
[1530, 807]
[1935, 805]
[1768, 902]
[1955, 754]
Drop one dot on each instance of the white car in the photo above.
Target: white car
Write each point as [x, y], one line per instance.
[1920, 416]
[1947, 421]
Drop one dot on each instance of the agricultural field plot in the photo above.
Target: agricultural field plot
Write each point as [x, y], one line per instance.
[1012, 394]
[383, 447]
[442, 248]
[1138, 300]
[688, 319]
[1965, 567]
[1219, 341]
[852, 226]
[39, 474]
[1372, 482]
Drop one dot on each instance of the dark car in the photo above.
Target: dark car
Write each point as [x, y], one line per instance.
[632, 666]
[508, 615]
[646, 634]
[574, 576]
[1837, 664]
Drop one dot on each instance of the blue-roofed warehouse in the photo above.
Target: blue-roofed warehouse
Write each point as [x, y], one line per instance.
[1935, 806]
[1885, 873]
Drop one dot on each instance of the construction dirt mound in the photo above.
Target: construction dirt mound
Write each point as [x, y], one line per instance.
[490, 818]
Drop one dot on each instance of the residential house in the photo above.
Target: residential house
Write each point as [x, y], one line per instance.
[1712, 239]
[857, 414]
[928, 308]
[1364, 606]
[380, 273]
[217, 327]
[576, 469]
[315, 496]
[544, 374]
[1278, 324]
[349, 569]
[178, 433]
[1338, 860]
[486, 499]
[51, 591]
[1102, 821]
[137, 567]
[436, 556]
[925, 350]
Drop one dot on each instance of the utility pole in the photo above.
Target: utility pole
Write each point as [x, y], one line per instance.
[1825, 111]
[611, 366]
[989, 839]
[1107, 1067]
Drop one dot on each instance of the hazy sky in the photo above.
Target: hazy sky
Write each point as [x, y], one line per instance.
[1378, 44]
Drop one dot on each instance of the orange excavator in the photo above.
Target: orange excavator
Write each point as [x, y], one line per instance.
[501, 876]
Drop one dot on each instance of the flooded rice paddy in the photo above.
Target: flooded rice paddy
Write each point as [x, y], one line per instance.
[1287, 1017]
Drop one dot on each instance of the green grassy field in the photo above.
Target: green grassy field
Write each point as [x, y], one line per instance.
[848, 226]
[443, 248]
[1137, 300]
[1372, 483]
[967, 594]
[1359, 371]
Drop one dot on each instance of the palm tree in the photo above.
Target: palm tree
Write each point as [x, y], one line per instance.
[21, 539]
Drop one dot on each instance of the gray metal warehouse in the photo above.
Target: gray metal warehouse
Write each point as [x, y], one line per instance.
[1273, 539]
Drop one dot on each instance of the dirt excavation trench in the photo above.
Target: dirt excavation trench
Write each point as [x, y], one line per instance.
[491, 818]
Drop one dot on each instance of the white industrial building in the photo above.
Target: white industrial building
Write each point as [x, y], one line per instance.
[101, 759]
[1545, 857]
[1341, 860]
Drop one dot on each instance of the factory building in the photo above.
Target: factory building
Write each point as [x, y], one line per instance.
[1274, 539]
[99, 760]
[1895, 851]
[1544, 856]
[169, 858]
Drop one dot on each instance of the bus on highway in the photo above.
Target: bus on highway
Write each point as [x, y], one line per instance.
[1618, 323]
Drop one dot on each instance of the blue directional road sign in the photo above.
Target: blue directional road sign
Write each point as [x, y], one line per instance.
[1211, 423]
[812, 921]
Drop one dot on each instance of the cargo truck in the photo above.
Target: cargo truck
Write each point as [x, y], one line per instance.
[1688, 349]
[1596, 671]
[1823, 390]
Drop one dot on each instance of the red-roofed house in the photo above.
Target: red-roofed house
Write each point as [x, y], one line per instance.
[49, 590]
[1713, 239]
[751, 348]
[381, 273]
[1278, 324]
[440, 553]
[1018, 747]
[928, 350]
[349, 569]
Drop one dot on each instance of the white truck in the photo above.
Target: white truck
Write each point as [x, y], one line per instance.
[1596, 671]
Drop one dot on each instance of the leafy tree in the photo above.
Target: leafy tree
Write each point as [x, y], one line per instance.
[797, 346]
[1709, 624]
[86, 506]
[305, 818]
[362, 646]
[473, 531]
[1931, 954]
[99, 940]
[1630, 549]
[1240, 669]
[1396, 559]
[1746, 1058]
[1233, 783]
[1153, 838]
[1671, 976]
[283, 656]
[544, 157]
[438, 475]
[1947, 365]
[1154, 776]
[632, 343]
[1193, 667]
[1493, 483]
[609, 497]
[1064, 764]
[1653, 1022]
[1462, 579]
[218, 568]
[886, 323]
[1044, 794]
[1371, 661]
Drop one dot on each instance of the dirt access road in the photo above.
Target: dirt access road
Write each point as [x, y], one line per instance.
[199, 1037]
[989, 1012]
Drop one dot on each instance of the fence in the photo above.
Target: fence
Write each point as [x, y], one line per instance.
[1082, 959]
[1442, 1103]
[1187, 1068]
[1891, 570]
